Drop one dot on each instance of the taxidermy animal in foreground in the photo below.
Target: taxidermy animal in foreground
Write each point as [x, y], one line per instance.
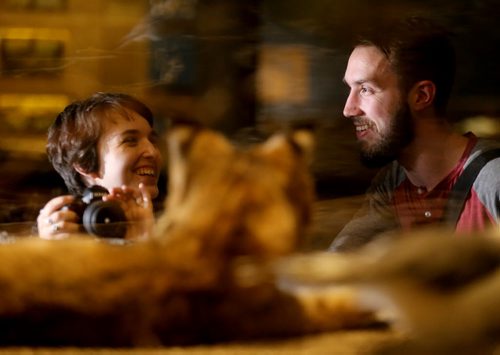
[441, 291]
[201, 278]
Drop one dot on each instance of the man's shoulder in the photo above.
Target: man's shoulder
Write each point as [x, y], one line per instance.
[392, 174]
[487, 183]
[483, 145]
[487, 146]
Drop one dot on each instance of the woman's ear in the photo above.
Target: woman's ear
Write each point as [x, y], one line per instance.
[422, 95]
[90, 178]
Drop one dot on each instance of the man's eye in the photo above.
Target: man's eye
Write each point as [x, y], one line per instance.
[365, 91]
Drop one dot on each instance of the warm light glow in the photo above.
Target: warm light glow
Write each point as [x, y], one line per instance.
[482, 126]
[33, 103]
[283, 75]
[24, 145]
[34, 33]
[25, 120]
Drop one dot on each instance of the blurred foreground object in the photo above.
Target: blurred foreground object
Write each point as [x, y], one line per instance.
[204, 278]
[439, 290]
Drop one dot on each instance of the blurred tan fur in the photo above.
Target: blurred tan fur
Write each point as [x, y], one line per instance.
[438, 289]
[204, 277]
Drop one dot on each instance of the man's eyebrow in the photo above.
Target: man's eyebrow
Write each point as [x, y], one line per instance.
[363, 81]
[371, 81]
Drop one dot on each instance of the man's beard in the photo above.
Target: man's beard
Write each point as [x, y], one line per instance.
[399, 134]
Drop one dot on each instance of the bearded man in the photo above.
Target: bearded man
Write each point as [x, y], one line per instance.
[400, 78]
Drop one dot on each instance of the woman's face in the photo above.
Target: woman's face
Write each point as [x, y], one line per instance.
[128, 153]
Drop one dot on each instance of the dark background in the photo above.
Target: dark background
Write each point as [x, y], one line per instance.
[203, 59]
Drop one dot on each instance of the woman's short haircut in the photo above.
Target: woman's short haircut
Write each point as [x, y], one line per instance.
[73, 137]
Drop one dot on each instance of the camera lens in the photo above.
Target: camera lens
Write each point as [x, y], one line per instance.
[105, 219]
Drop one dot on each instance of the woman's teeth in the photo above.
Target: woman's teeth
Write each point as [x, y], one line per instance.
[145, 171]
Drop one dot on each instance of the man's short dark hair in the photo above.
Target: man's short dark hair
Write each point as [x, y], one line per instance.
[417, 49]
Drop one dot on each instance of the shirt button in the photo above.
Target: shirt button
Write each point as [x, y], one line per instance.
[420, 191]
[428, 214]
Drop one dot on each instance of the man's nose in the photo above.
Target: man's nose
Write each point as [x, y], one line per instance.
[351, 107]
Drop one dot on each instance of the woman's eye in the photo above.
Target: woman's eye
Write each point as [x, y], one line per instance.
[130, 140]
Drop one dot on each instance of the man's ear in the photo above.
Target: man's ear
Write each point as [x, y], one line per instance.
[89, 177]
[422, 95]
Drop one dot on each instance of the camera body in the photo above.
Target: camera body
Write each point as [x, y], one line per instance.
[105, 219]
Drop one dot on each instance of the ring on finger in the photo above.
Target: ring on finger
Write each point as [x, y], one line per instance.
[50, 221]
[55, 227]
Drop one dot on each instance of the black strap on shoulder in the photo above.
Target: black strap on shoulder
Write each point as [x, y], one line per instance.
[462, 187]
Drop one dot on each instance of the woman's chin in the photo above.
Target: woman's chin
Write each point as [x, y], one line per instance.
[153, 191]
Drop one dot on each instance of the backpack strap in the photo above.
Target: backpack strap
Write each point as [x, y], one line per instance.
[462, 187]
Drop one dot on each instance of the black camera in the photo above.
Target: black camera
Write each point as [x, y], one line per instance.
[105, 219]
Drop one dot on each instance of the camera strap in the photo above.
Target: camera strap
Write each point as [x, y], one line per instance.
[461, 190]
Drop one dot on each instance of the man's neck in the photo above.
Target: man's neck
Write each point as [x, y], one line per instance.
[433, 154]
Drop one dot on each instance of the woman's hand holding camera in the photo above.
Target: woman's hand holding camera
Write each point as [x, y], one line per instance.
[59, 217]
[138, 208]
[54, 222]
